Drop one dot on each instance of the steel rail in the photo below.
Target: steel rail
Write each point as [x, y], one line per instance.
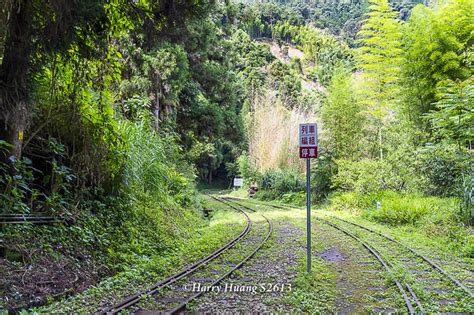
[182, 307]
[229, 202]
[377, 255]
[429, 261]
[34, 214]
[380, 259]
[134, 299]
[22, 219]
[433, 264]
[286, 207]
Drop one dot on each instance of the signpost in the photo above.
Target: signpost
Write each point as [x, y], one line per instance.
[308, 151]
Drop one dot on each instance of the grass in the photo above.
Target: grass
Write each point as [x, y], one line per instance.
[427, 235]
[312, 293]
[223, 225]
[261, 199]
[442, 245]
[430, 220]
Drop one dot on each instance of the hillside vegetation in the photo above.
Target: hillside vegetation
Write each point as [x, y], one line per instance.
[395, 116]
[112, 111]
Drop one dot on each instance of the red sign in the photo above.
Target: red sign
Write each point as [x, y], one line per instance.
[309, 152]
[308, 141]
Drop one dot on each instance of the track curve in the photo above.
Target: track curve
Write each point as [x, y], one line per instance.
[186, 274]
[134, 299]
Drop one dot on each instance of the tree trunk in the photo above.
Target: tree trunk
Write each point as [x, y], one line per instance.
[155, 100]
[13, 79]
[13, 124]
[209, 179]
[156, 113]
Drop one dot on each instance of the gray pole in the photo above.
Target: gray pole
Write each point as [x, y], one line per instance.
[308, 207]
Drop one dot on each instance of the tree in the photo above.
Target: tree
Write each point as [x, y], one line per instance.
[286, 81]
[437, 44]
[342, 117]
[379, 59]
[156, 77]
[453, 116]
[35, 31]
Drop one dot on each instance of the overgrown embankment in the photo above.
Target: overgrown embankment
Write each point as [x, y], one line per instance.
[101, 231]
[119, 111]
[201, 239]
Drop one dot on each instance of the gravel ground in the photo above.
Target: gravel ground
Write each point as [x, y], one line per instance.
[270, 274]
[361, 283]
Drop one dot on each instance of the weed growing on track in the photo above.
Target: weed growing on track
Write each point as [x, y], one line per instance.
[314, 292]
[413, 235]
[448, 247]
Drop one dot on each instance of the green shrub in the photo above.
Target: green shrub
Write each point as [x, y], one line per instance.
[443, 168]
[396, 208]
[146, 213]
[246, 170]
[351, 201]
[19, 189]
[412, 208]
[266, 195]
[361, 176]
[433, 216]
[321, 178]
[297, 198]
[282, 181]
[401, 210]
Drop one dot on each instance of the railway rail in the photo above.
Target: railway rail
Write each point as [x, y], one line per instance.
[408, 297]
[38, 218]
[448, 293]
[170, 295]
[416, 253]
[442, 292]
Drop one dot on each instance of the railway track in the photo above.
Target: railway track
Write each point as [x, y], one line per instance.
[236, 199]
[431, 262]
[429, 287]
[173, 294]
[437, 289]
[412, 302]
[34, 218]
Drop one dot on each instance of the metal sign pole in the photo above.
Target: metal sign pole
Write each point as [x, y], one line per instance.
[308, 209]
[308, 150]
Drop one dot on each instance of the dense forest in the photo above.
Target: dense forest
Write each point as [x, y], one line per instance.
[115, 113]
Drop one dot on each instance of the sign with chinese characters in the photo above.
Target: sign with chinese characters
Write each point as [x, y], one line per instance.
[308, 141]
[238, 182]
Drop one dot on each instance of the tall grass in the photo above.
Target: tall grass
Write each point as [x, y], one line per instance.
[399, 209]
[273, 133]
[154, 210]
[434, 216]
[152, 165]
